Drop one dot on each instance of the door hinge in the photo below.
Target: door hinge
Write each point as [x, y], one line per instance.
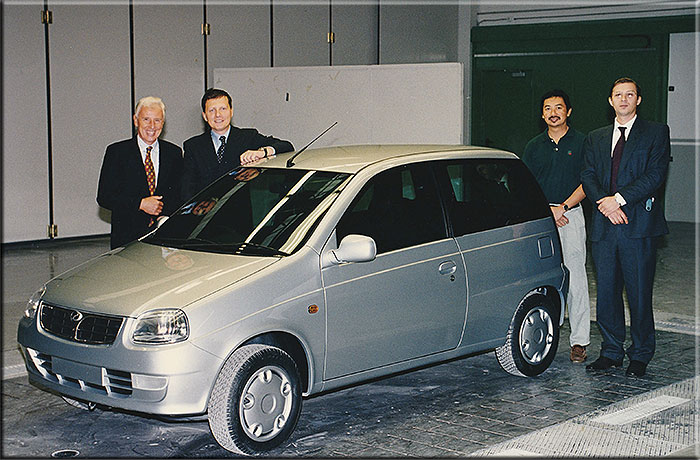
[46, 17]
[206, 28]
[331, 37]
[52, 230]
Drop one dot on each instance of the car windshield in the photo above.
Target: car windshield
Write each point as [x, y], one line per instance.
[252, 211]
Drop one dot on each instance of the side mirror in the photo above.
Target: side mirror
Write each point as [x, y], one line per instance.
[353, 248]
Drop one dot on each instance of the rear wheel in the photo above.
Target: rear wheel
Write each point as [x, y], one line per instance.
[256, 400]
[533, 338]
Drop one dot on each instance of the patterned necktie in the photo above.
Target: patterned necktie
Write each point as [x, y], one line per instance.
[150, 177]
[220, 152]
[150, 171]
[617, 155]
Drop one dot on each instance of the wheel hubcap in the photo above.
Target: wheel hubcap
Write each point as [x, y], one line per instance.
[266, 403]
[536, 335]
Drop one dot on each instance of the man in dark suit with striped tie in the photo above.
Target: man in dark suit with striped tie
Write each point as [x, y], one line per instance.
[625, 169]
[140, 177]
[222, 146]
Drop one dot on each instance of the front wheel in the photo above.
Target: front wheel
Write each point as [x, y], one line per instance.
[256, 400]
[533, 338]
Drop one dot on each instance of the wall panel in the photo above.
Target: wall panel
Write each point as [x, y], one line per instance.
[356, 30]
[240, 36]
[681, 186]
[91, 107]
[168, 63]
[418, 33]
[300, 34]
[25, 192]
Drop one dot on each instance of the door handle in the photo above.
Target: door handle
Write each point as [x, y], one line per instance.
[447, 268]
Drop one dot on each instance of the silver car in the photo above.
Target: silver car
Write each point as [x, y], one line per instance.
[301, 275]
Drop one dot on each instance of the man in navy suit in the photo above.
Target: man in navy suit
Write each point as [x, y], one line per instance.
[222, 146]
[625, 169]
[124, 187]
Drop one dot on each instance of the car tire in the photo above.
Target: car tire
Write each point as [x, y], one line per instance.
[533, 337]
[256, 400]
[89, 406]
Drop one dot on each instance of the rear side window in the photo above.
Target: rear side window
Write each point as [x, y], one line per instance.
[487, 194]
[398, 208]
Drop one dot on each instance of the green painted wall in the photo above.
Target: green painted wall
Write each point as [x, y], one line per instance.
[514, 65]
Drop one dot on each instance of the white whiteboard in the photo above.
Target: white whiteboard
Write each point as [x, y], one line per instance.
[379, 104]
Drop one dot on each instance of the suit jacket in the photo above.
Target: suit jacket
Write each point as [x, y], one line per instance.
[642, 173]
[123, 184]
[202, 166]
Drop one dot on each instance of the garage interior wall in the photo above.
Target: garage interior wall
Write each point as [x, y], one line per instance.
[95, 75]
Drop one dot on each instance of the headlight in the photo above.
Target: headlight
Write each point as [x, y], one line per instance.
[161, 326]
[34, 302]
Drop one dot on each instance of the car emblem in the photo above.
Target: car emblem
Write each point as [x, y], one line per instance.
[76, 316]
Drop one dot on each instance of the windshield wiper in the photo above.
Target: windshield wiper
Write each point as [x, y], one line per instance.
[155, 239]
[260, 247]
[201, 240]
[230, 248]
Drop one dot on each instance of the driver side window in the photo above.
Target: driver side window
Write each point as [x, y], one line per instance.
[398, 208]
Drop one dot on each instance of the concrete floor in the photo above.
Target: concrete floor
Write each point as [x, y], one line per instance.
[465, 407]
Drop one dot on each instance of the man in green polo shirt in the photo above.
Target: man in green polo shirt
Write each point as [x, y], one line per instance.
[555, 157]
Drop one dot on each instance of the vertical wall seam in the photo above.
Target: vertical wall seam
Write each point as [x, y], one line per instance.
[272, 40]
[49, 129]
[132, 76]
[379, 31]
[206, 49]
[330, 31]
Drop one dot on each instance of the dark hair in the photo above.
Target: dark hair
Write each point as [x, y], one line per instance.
[556, 93]
[213, 93]
[626, 80]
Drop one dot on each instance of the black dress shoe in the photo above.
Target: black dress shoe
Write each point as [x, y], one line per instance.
[637, 368]
[603, 363]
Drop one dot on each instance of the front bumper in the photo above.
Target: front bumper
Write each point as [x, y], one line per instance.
[170, 380]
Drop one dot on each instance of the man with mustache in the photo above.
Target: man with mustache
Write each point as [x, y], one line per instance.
[555, 158]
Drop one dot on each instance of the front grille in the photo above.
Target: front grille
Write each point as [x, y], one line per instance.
[78, 326]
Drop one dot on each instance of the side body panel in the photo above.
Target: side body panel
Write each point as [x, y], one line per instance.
[394, 308]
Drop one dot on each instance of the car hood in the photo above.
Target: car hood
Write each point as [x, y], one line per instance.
[128, 281]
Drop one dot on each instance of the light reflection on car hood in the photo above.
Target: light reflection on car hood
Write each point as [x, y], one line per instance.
[142, 277]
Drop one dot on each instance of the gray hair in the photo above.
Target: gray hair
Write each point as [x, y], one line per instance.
[150, 101]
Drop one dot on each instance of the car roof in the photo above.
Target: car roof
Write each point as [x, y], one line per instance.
[352, 158]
